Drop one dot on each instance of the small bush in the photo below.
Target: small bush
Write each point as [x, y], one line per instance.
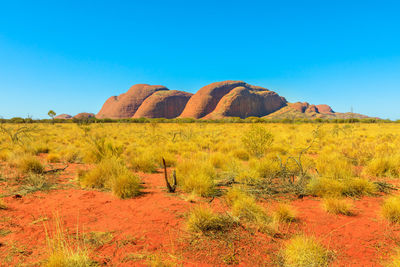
[394, 259]
[266, 167]
[196, 176]
[145, 162]
[203, 219]
[337, 206]
[391, 209]
[62, 252]
[257, 140]
[53, 157]
[29, 163]
[384, 167]
[4, 155]
[285, 213]
[333, 165]
[241, 154]
[3, 205]
[245, 208]
[112, 174]
[303, 251]
[321, 186]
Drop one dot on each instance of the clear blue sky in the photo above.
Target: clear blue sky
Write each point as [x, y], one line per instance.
[71, 56]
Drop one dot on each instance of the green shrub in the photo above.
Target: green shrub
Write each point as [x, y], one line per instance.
[257, 140]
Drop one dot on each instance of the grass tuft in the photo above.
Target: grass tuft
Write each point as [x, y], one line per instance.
[29, 164]
[337, 206]
[391, 209]
[303, 251]
[62, 252]
[203, 219]
[284, 213]
[112, 174]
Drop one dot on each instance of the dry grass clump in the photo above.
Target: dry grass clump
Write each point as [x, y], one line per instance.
[112, 174]
[394, 259]
[53, 157]
[203, 219]
[266, 167]
[391, 209]
[241, 154]
[284, 213]
[384, 167]
[196, 176]
[303, 251]
[3, 205]
[245, 208]
[62, 252]
[144, 162]
[29, 164]
[4, 154]
[333, 165]
[337, 206]
[321, 186]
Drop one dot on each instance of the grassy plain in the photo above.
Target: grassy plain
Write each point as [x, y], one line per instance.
[256, 194]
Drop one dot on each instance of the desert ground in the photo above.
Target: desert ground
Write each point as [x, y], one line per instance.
[248, 194]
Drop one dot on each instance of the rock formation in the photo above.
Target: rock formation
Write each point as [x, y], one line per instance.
[84, 115]
[163, 104]
[125, 105]
[232, 98]
[63, 117]
[214, 101]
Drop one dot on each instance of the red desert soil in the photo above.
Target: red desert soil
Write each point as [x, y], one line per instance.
[154, 224]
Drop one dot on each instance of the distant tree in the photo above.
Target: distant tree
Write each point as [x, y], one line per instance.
[52, 114]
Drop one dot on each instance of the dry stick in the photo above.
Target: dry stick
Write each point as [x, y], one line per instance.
[56, 170]
[172, 188]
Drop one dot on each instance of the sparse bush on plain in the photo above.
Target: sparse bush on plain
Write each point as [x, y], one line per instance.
[284, 213]
[112, 174]
[196, 176]
[204, 219]
[29, 164]
[391, 209]
[384, 167]
[304, 251]
[354, 187]
[257, 140]
[338, 206]
[62, 252]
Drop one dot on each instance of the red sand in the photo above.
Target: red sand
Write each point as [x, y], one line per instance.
[153, 224]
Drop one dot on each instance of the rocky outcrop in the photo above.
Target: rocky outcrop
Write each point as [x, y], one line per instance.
[306, 107]
[125, 105]
[84, 115]
[63, 117]
[232, 98]
[214, 101]
[247, 101]
[324, 109]
[163, 104]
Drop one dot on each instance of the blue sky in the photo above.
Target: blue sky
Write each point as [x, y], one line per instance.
[71, 56]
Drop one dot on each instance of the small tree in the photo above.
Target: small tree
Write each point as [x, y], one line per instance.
[52, 114]
[257, 140]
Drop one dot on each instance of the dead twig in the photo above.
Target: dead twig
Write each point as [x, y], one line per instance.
[171, 188]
